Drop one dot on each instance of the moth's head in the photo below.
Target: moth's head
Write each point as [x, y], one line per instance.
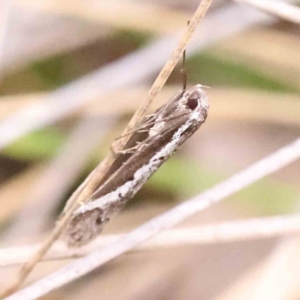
[186, 106]
[194, 99]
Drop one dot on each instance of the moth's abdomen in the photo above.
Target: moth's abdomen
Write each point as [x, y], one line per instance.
[85, 227]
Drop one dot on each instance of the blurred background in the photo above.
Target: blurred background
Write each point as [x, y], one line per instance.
[74, 72]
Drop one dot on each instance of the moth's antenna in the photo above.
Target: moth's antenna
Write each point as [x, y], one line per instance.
[183, 71]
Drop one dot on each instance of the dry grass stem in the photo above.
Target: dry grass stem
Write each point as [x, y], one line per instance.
[223, 232]
[165, 72]
[82, 266]
[280, 9]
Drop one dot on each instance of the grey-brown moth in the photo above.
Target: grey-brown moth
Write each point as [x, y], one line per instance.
[160, 136]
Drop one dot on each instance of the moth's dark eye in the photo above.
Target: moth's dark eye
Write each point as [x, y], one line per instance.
[98, 220]
[192, 103]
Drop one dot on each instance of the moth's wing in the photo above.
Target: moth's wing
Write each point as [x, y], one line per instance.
[137, 137]
[141, 135]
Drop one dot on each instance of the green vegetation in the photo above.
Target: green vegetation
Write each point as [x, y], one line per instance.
[38, 145]
[214, 70]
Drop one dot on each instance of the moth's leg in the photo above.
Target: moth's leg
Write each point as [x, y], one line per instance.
[141, 145]
[82, 203]
[137, 147]
[114, 150]
[128, 150]
[151, 116]
[125, 151]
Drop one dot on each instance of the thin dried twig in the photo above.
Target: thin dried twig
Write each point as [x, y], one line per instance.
[80, 267]
[83, 193]
[280, 9]
[165, 72]
[223, 232]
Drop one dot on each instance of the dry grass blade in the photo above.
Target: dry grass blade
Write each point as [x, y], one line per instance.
[207, 234]
[280, 9]
[80, 267]
[165, 72]
[86, 190]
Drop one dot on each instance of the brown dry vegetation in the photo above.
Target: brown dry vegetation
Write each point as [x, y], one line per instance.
[60, 52]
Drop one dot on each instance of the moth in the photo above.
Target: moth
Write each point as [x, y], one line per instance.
[161, 134]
